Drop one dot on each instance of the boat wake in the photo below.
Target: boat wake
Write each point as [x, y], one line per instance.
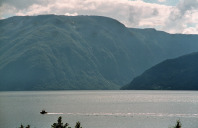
[55, 113]
[130, 114]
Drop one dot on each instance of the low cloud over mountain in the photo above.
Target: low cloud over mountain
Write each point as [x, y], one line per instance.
[178, 16]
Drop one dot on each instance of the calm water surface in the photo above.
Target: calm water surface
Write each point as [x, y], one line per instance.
[100, 109]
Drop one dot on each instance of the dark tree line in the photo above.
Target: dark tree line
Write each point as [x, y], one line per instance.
[60, 124]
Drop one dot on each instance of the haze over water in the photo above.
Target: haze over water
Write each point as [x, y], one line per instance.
[100, 109]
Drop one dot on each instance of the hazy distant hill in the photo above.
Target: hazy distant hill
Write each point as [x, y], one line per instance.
[173, 74]
[84, 52]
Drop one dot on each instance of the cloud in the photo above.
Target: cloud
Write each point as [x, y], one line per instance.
[183, 17]
[186, 5]
[22, 4]
[7, 10]
[191, 30]
[147, 15]
[129, 12]
[133, 13]
[162, 0]
[71, 14]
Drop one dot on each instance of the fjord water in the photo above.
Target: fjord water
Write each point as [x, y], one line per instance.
[100, 109]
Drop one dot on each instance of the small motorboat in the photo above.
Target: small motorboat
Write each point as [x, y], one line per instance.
[43, 112]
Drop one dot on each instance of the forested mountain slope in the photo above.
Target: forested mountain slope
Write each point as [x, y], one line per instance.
[173, 74]
[50, 52]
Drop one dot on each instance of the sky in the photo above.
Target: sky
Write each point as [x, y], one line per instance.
[172, 16]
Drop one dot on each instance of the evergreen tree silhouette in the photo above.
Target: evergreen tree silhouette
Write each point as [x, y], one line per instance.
[178, 124]
[78, 125]
[59, 124]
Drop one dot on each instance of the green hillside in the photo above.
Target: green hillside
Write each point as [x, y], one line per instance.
[50, 52]
[173, 74]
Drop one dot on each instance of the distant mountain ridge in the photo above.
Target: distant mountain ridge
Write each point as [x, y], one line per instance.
[50, 52]
[173, 74]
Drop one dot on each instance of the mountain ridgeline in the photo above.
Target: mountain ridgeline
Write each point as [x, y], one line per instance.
[50, 52]
[172, 74]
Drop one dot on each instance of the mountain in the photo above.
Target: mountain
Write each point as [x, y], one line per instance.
[50, 52]
[172, 74]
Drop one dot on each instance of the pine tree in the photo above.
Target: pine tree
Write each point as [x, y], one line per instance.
[178, 124]
[59, 124]
[28, 126]
[78, 125]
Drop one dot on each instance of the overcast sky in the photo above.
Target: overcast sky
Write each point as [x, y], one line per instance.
[173, 16]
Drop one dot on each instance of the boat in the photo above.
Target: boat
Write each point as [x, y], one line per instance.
[43, 112]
